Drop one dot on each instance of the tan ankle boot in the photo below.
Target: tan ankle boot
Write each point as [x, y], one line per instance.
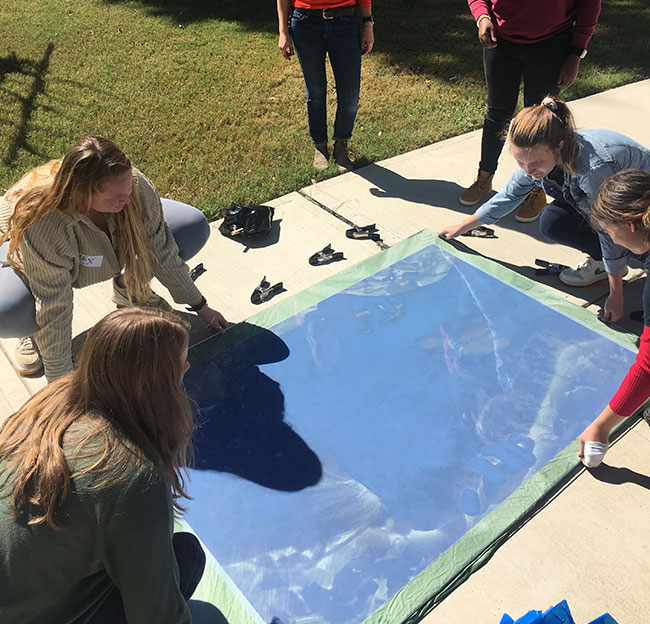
[321, 156]
[532, 206]
[341, 157]
[481, 187]
[27, 357]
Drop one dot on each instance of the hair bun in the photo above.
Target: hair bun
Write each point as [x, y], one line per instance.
[550, 103]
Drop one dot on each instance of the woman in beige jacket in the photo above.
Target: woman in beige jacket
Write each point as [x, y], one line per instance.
[79, 220]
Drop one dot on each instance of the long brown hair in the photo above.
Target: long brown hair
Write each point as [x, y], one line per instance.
[624, 198]
[548, 123]
[123, 407]
[68, 185]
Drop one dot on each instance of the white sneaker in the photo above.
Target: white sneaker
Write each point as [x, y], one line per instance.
[27, 358]
[589, 272]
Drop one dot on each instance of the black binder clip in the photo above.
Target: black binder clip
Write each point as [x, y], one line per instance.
[265, 291]
[550, 268]
[367, 232]
[325, 256]
[481, 232]
[197, 271]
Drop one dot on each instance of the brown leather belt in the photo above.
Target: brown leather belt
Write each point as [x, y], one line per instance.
[343, 11]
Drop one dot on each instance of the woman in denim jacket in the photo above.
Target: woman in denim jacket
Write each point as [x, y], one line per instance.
[570, 167]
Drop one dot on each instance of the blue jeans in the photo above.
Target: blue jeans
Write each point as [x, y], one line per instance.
[17, 306]
[538, 64]
[313, 38]
[562, 223]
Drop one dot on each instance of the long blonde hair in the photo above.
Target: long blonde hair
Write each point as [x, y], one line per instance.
[624, 198]
[548, 123]
[68, 185]
[121, 409]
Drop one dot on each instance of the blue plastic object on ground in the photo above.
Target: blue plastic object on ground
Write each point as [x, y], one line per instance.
[605, 618]
[559, 614]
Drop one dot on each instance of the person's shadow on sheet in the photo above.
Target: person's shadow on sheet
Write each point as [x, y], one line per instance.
[240, 415]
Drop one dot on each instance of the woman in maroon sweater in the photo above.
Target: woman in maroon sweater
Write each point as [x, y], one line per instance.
[539, 42]
[622, 209]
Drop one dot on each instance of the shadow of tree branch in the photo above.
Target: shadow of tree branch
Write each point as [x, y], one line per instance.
[38, 70]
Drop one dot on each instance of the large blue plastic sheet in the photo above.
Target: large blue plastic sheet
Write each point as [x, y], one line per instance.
[343, 450]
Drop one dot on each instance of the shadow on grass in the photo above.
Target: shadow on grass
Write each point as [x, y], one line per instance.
[619, 44]
[437, 46]
[436, 38]
[11, 64]
[255, 15]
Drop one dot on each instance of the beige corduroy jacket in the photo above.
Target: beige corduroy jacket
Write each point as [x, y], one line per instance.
[61, 252]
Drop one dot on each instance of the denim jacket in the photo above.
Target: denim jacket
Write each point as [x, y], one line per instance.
[602, 154]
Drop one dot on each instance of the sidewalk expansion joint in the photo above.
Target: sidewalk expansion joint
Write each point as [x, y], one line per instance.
[380, 243]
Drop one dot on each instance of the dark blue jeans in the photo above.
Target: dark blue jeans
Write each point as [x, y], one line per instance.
[313, 38]
[562, 223]
[538, 64]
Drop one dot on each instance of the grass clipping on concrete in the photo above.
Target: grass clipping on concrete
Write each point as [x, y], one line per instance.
[201, 100]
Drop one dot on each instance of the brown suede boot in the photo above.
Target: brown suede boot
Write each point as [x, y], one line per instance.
[321, 156]
[481, 187]
[532, 206]
[341, 157]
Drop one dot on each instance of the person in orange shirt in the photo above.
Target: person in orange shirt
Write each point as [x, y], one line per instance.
[315, 29]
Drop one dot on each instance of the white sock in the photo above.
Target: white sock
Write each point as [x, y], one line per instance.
[594, 454]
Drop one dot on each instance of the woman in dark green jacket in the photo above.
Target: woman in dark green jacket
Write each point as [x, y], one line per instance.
[92, 468]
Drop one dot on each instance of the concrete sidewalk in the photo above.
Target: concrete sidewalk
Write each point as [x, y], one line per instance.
[589, 544]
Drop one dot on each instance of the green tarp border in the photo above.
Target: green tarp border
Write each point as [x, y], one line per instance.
[471, 551]
[217, 589]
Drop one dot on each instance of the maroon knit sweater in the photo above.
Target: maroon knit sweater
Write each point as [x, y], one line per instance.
[635, 387]
[529, 21]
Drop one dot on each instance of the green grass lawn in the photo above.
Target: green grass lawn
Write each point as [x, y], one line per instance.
[197, 94]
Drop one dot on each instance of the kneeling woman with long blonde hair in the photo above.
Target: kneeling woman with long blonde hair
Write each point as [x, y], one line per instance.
[79, 220]
[92, 468]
